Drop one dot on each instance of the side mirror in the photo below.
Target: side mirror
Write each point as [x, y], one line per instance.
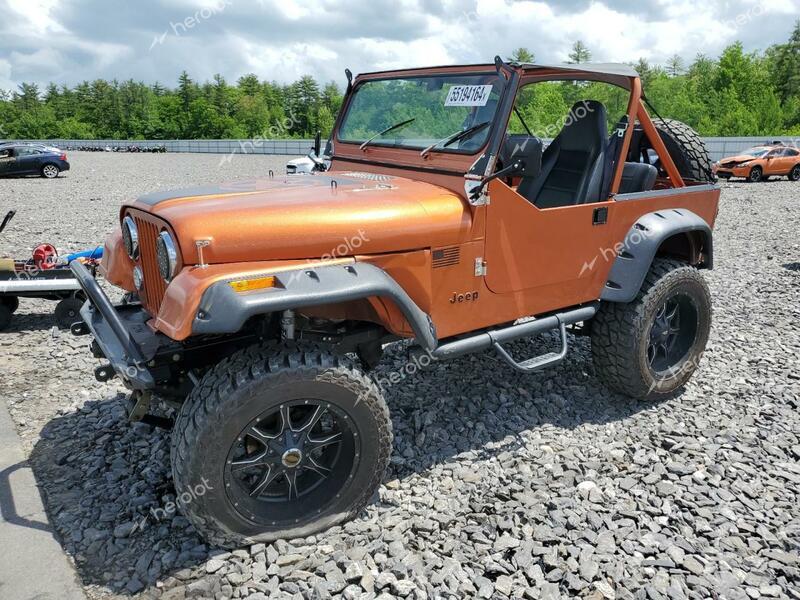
[318, 143]
[524, 160]
[315, 157]
[528, 152]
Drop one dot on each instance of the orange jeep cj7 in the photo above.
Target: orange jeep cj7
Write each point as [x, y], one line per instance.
[435, 214]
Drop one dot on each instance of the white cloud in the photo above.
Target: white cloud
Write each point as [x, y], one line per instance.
[67, 41]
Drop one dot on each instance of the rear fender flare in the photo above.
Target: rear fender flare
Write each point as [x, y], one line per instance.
[642, 244]
[222, 310]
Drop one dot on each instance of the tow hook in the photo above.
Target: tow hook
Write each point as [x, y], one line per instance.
[104, 373]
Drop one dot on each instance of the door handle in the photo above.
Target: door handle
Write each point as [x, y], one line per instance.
[600, 216]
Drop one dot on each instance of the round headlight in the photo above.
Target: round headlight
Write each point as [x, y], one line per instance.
[167, 256]
[130, 237]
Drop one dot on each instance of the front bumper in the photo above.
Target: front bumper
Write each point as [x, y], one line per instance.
[728, 172]
[121, 332]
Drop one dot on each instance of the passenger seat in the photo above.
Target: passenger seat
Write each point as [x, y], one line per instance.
[637, 177]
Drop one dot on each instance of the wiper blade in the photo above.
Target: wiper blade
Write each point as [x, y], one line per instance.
[387, 130]
[455, 137]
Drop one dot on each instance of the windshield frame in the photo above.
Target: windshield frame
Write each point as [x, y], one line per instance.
[484, 72]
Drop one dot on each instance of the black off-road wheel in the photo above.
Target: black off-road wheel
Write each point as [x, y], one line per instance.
[794, 174]
[650, 347]
[756, 174]
[279, 442]
[68, 311]
[687, 149]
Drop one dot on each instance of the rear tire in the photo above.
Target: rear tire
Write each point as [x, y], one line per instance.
[638, 349]
[756, 174]
[235, 481]
[794, 175]
[50, 171]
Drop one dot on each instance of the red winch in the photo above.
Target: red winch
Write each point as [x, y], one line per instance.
[44, 256]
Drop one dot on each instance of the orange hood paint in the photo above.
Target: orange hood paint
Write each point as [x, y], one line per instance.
[310, 216]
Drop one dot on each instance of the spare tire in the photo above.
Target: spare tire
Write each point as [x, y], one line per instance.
[687, 149]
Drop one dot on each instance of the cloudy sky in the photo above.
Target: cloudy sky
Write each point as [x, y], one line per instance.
[68, 41]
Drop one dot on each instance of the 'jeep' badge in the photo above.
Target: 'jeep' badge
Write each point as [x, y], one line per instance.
[457, 298]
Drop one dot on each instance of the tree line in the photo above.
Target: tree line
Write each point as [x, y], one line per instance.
[133, 110]
[737, 94]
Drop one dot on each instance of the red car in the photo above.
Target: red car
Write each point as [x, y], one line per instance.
[760, 163]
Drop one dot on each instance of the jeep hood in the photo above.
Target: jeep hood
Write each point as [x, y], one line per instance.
[310, 216]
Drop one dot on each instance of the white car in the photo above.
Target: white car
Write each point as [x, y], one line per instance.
[302, 166]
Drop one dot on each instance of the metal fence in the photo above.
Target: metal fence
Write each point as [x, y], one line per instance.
[253, 146]
[718, 147]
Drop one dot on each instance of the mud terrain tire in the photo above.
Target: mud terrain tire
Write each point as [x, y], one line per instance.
[686, 148]
[214, 486]
[623, 335]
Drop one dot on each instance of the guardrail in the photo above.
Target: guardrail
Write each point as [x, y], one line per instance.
[256, 146]
[718, 147]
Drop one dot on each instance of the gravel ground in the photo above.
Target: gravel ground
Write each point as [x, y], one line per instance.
[501, 485]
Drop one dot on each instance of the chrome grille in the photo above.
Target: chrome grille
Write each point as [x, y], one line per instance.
[154, 286]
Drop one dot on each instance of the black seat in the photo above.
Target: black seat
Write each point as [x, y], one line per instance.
[637, 177]
[573, 164]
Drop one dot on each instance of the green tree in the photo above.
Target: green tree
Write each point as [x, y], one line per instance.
[580, 53]
[674, 65]
[522, 55]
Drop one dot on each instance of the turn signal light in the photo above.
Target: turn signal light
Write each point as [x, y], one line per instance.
[249, 285]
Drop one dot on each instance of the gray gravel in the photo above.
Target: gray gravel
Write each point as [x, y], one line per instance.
[501, 485]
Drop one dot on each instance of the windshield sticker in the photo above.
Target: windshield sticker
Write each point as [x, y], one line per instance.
[468, 95]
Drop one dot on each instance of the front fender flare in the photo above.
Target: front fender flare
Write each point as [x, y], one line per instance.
[641, 245]
[222, 310]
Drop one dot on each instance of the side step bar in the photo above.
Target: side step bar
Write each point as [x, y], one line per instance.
[495, 339]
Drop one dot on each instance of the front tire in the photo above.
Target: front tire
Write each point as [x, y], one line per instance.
[756, 174]
[50, 171]
[650, 347]
[794, 175]
[279, 442]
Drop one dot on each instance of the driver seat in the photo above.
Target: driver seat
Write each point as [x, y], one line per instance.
[573, 164]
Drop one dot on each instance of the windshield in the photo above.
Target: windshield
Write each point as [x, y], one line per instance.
[756, 152]
[434, 107]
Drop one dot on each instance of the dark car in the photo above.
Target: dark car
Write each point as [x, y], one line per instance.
[32, 159]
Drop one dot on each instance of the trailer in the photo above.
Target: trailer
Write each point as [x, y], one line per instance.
[44, 275]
